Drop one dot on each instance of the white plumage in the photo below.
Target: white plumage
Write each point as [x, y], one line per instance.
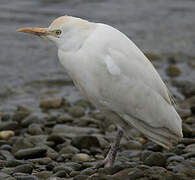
[116, 77]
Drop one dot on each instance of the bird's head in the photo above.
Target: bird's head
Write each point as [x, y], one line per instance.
[66, 32]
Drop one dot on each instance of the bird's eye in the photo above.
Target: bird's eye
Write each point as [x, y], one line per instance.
[58, 32]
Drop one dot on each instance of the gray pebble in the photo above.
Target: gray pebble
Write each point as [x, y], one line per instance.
[30, 153]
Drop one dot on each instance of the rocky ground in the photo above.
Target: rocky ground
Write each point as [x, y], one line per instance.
[65, 140]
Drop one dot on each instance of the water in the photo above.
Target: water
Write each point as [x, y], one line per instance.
[29, 68]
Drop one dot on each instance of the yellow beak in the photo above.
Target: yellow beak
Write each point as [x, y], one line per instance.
[35, 31]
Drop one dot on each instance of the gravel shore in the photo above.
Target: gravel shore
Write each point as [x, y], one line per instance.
[64, 140]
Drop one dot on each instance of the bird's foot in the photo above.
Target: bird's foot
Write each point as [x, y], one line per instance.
[110, 158]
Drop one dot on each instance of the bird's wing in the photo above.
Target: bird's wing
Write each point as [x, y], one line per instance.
[136, 92]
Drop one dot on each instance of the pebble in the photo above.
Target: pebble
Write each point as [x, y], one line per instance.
[43, 174]
[31, 177]
[24, 168]
[69, 149]
[190, 148]
[51, 103]
[4, 135]
[8, 126]
[31, 153]
[155, 159]
[85, 142]
[35, 129]
[81, 157]
[76, 111]
[173, 71]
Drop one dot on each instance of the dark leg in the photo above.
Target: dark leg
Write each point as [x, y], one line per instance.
[110, 158]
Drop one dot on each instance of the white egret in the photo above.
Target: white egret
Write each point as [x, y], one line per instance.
[116, 77]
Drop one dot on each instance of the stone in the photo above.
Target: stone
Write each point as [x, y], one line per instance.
[14, 163]
[51, 103]
[88, 171]
[175, 158]
[152, 57]
[132, 144]
[31, 153]
[69, 149]
[61, 174]
[21, 143]
[35, 129]
[5, 176]
[43, 174]
[4, 135]
[85, 142]
[75, 166]
[155, 159]
[56, 139]
[20, 115]
[31, 119]
[65, 130]
[76, 111]
[160, 173]
[8, 126]
[6, 147]
[173, 71]
[30, 177]
[81, 157]
[24, 168]
[187, 130]
[80, 177]
[190, 148]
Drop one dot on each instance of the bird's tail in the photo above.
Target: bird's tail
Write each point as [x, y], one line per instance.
[161, 136]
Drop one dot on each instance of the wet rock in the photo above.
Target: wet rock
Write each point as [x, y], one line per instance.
[186, 167]
[31, 177]
[81, 157]
[25, 168]
[5, 176]
[56, 139]
[85, 142]
[31, 153]
[8, 126]
[75, 166]
[20, 115]
[152, 57]
[175, 158]
[69, 150]
[31, 119]
[35, 129]
[76, 111]
[88, 171]
[173, 71]
[51, 103]
[190, 148]
[187, 130]
[43, 174]
[61, 174]
[80, 177]
[41, 161]
[21, 143]
[155, 159]
[74, 173]
[188, 141]
[62, 129]
[132, 144]
[189, 155]
[6, 154]
[160, 173]
[6, 147]
[64, 168]
[14, 163]
[4, 135]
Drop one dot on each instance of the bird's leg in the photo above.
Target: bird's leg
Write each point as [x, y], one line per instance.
[110, 158]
